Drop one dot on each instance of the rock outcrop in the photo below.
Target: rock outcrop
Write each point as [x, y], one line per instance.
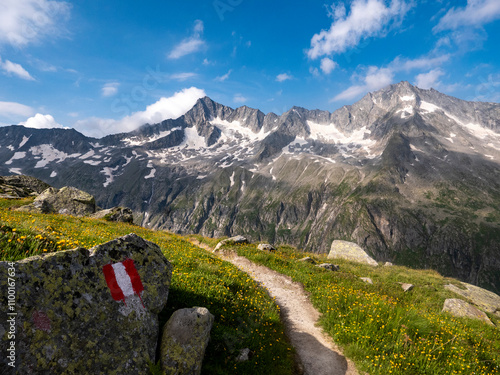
[237, 240]
[86, 311]
[350, 251]
[14, 187]
[462, 309]
[484, 299]
[266, 247]
[185, 338]
[67, 200]
[118, 214]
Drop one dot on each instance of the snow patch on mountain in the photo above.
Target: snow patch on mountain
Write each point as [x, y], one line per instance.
[49, 154]
[235, 130]
[16, 156]
[109, 175]
[23, 142]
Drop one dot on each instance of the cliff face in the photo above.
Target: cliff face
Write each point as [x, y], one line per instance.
[411, 175]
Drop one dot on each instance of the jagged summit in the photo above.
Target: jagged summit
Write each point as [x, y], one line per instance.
[410, 174]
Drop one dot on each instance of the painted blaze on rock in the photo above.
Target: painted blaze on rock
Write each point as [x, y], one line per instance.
[70, 322]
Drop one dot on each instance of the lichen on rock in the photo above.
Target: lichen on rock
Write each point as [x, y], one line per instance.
[72, 319]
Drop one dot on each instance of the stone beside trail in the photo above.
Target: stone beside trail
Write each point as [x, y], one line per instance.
[350, 251]
[73, 320]
[231, 241]
[184, 340]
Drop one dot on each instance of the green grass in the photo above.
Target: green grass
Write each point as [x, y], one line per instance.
[245, 316]
[383, 329]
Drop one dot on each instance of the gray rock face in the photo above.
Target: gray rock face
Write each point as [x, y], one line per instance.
[266, 247]
[484, 299]
[118, 214]
[350, 251]
[462, 309]
[185, 338]
[21, 186]
[86, 311]
[231, 241]
[66, 201]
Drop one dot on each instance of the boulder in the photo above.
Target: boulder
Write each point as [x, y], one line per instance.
[266, 247]
[231, 241]
[67, 201]
[367, 280]
[118, 214]
[329, 266]
[388, 264]
[484, 299]
[185, 338]
[307, 260]
[15, 187]
[86, 311]
[244, 355]
[407, 287]
[459, 308]
[350, 251]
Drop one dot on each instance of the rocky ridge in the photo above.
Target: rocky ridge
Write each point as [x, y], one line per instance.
[408, 174]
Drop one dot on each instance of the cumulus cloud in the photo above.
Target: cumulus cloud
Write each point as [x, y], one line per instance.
[430, 79]
[375, 79]
[367, 18]
[189, 45]
[40, 121]
[165, 108]
[224, 77]
[27, 21]
[182, 76]
[110, 89]
[15, 69]
[283, 77]
[12, 110]
[476, 13]
[328, 65]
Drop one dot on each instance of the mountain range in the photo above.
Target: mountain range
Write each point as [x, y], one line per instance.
[411, 175]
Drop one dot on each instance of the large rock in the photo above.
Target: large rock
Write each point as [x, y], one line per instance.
[484, 299]
[462, 309]
[266, 247]
[118, 214]
[238, 240]
[185, 338]
[67, 200]
[350, 251]
[15, 187]
[86, 311]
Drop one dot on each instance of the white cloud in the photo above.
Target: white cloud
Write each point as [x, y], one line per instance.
[40, 121]
[224, 77]
[181, 77]
[283, 77]
[430, 79]
[27, 21]
[165, 108]
[476, 13]
[367, 18]
[12, 109]
[110, 89]
[328, 65]
[375, 79]
[238, 98]
[189, 45]
[12, 68]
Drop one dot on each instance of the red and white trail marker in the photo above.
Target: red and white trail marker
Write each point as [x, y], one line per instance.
[123, 280]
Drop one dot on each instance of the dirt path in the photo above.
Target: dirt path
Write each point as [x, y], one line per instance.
[317, 353]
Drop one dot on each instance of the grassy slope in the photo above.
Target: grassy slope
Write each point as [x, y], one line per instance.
[382, 328]
[245, 316]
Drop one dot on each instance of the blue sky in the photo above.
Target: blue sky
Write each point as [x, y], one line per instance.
[104, 67]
